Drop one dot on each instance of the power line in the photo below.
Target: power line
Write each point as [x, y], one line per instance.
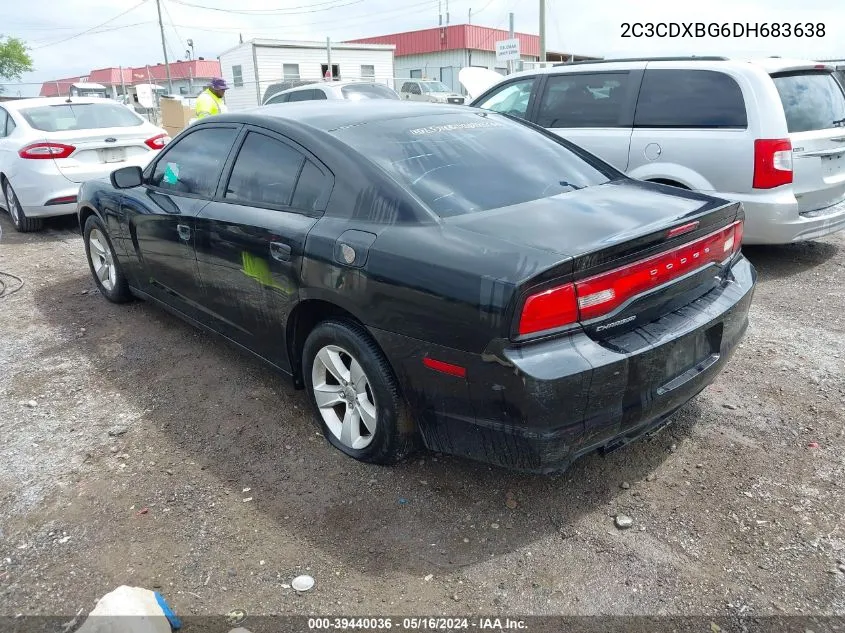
[110, 29]
[86, 31]
[289, 11]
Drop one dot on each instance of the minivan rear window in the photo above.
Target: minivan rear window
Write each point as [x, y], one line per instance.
[80, 116]
[811, 101]
[465, 163]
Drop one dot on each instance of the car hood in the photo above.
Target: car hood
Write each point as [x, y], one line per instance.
[586, 220]
[478, 80]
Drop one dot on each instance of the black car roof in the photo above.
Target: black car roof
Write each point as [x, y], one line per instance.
[329, 115]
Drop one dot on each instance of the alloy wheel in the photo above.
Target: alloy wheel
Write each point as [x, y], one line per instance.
[12, 203]
[102, 260]
[344, 397]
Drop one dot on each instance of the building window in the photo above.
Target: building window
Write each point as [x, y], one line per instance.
[368, 71]
[290, 72]
[416, 74]
[238, 76]
[183, 90]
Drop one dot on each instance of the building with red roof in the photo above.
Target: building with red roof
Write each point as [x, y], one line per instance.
[187, 77]
[441, 52]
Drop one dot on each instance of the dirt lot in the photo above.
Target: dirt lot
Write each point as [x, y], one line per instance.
[137, 450]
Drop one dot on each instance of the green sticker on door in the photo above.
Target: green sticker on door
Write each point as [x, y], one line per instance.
[171, 173]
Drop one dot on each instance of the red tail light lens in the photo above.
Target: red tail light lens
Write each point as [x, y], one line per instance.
[549, 310]
[772, 163]
[158, 141]
[601, 294]
[46, 150]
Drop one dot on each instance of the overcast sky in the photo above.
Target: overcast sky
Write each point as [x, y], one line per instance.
[592, 28]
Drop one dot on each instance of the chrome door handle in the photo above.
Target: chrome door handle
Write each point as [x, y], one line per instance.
[184, 231]
[279, 251]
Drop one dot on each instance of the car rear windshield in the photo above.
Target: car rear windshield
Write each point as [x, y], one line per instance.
[811, 101]
[466, 163]
[356, 92]
[79, 116]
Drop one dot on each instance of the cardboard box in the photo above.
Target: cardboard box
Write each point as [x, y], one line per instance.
[175, 114]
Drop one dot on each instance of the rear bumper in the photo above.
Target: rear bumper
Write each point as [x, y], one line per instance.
[776, 219]
[539, 407]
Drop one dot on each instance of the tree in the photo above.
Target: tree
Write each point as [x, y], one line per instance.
[14, 59]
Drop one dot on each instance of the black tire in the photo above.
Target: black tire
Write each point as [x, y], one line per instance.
[21, 223]
[120, 292]
[395, 437]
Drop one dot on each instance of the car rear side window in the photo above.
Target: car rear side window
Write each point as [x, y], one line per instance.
[690, 99]
[466, 163]
[80, 116]
[309, 188]
[811, 101]
[192, 165]
[265, 172]
[583, 100]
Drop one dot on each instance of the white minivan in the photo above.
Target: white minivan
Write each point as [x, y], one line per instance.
[769, 133]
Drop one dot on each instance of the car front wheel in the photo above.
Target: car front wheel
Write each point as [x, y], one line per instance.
[355, 395]
[102, 260]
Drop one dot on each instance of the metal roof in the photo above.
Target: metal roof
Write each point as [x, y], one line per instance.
[453, 37]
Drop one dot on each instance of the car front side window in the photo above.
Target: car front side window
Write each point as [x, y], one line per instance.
[510, 99]
[193, 164]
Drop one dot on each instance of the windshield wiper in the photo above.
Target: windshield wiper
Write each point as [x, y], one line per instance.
[563, 183]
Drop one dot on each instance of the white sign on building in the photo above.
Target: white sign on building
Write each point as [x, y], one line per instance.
[507, 50]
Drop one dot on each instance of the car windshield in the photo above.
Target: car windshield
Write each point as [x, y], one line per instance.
[811, 101]
[80, 116]
[466, 163]
[356, 92]
[434, 86]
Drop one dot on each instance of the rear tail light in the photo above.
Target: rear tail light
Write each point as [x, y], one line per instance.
[772, 163]
[549, 310]
[46, 150]
[61, 200]
[601, 294]
[158, 141]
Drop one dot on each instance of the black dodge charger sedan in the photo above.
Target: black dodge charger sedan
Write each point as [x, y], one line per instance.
[433, 273]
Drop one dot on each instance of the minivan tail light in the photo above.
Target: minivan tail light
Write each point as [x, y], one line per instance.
[772, 163]
[601, 294]
[158, 141]
[37, 151]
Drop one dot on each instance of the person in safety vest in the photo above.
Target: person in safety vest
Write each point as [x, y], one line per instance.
[210, 100]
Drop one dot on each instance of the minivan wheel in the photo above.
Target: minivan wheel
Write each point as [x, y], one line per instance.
[355, 395]
[103, 262]
[22, 223]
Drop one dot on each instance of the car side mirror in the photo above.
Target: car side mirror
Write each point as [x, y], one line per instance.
[127, 177]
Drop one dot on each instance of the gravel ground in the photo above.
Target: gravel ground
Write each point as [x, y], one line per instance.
[137, 450]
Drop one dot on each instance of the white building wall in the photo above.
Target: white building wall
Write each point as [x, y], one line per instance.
[445, 65]
[271, 59]
[243, 96]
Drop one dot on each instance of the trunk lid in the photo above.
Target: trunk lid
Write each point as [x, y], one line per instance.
[814, 105]
[660, 244]
[101, 151]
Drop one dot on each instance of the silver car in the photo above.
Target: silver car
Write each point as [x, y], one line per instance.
[49, 146]
[768, 133]
[429, 90]
[350, 90]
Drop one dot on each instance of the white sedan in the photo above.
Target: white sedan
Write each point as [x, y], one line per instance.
[48, 147]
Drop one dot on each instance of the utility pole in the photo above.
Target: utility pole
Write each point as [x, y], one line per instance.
[440, 13]
[164, 49]
[123, 84]
[329, 56]
[542, 30]
[447, 12]
[469, 17]
[510, 36]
